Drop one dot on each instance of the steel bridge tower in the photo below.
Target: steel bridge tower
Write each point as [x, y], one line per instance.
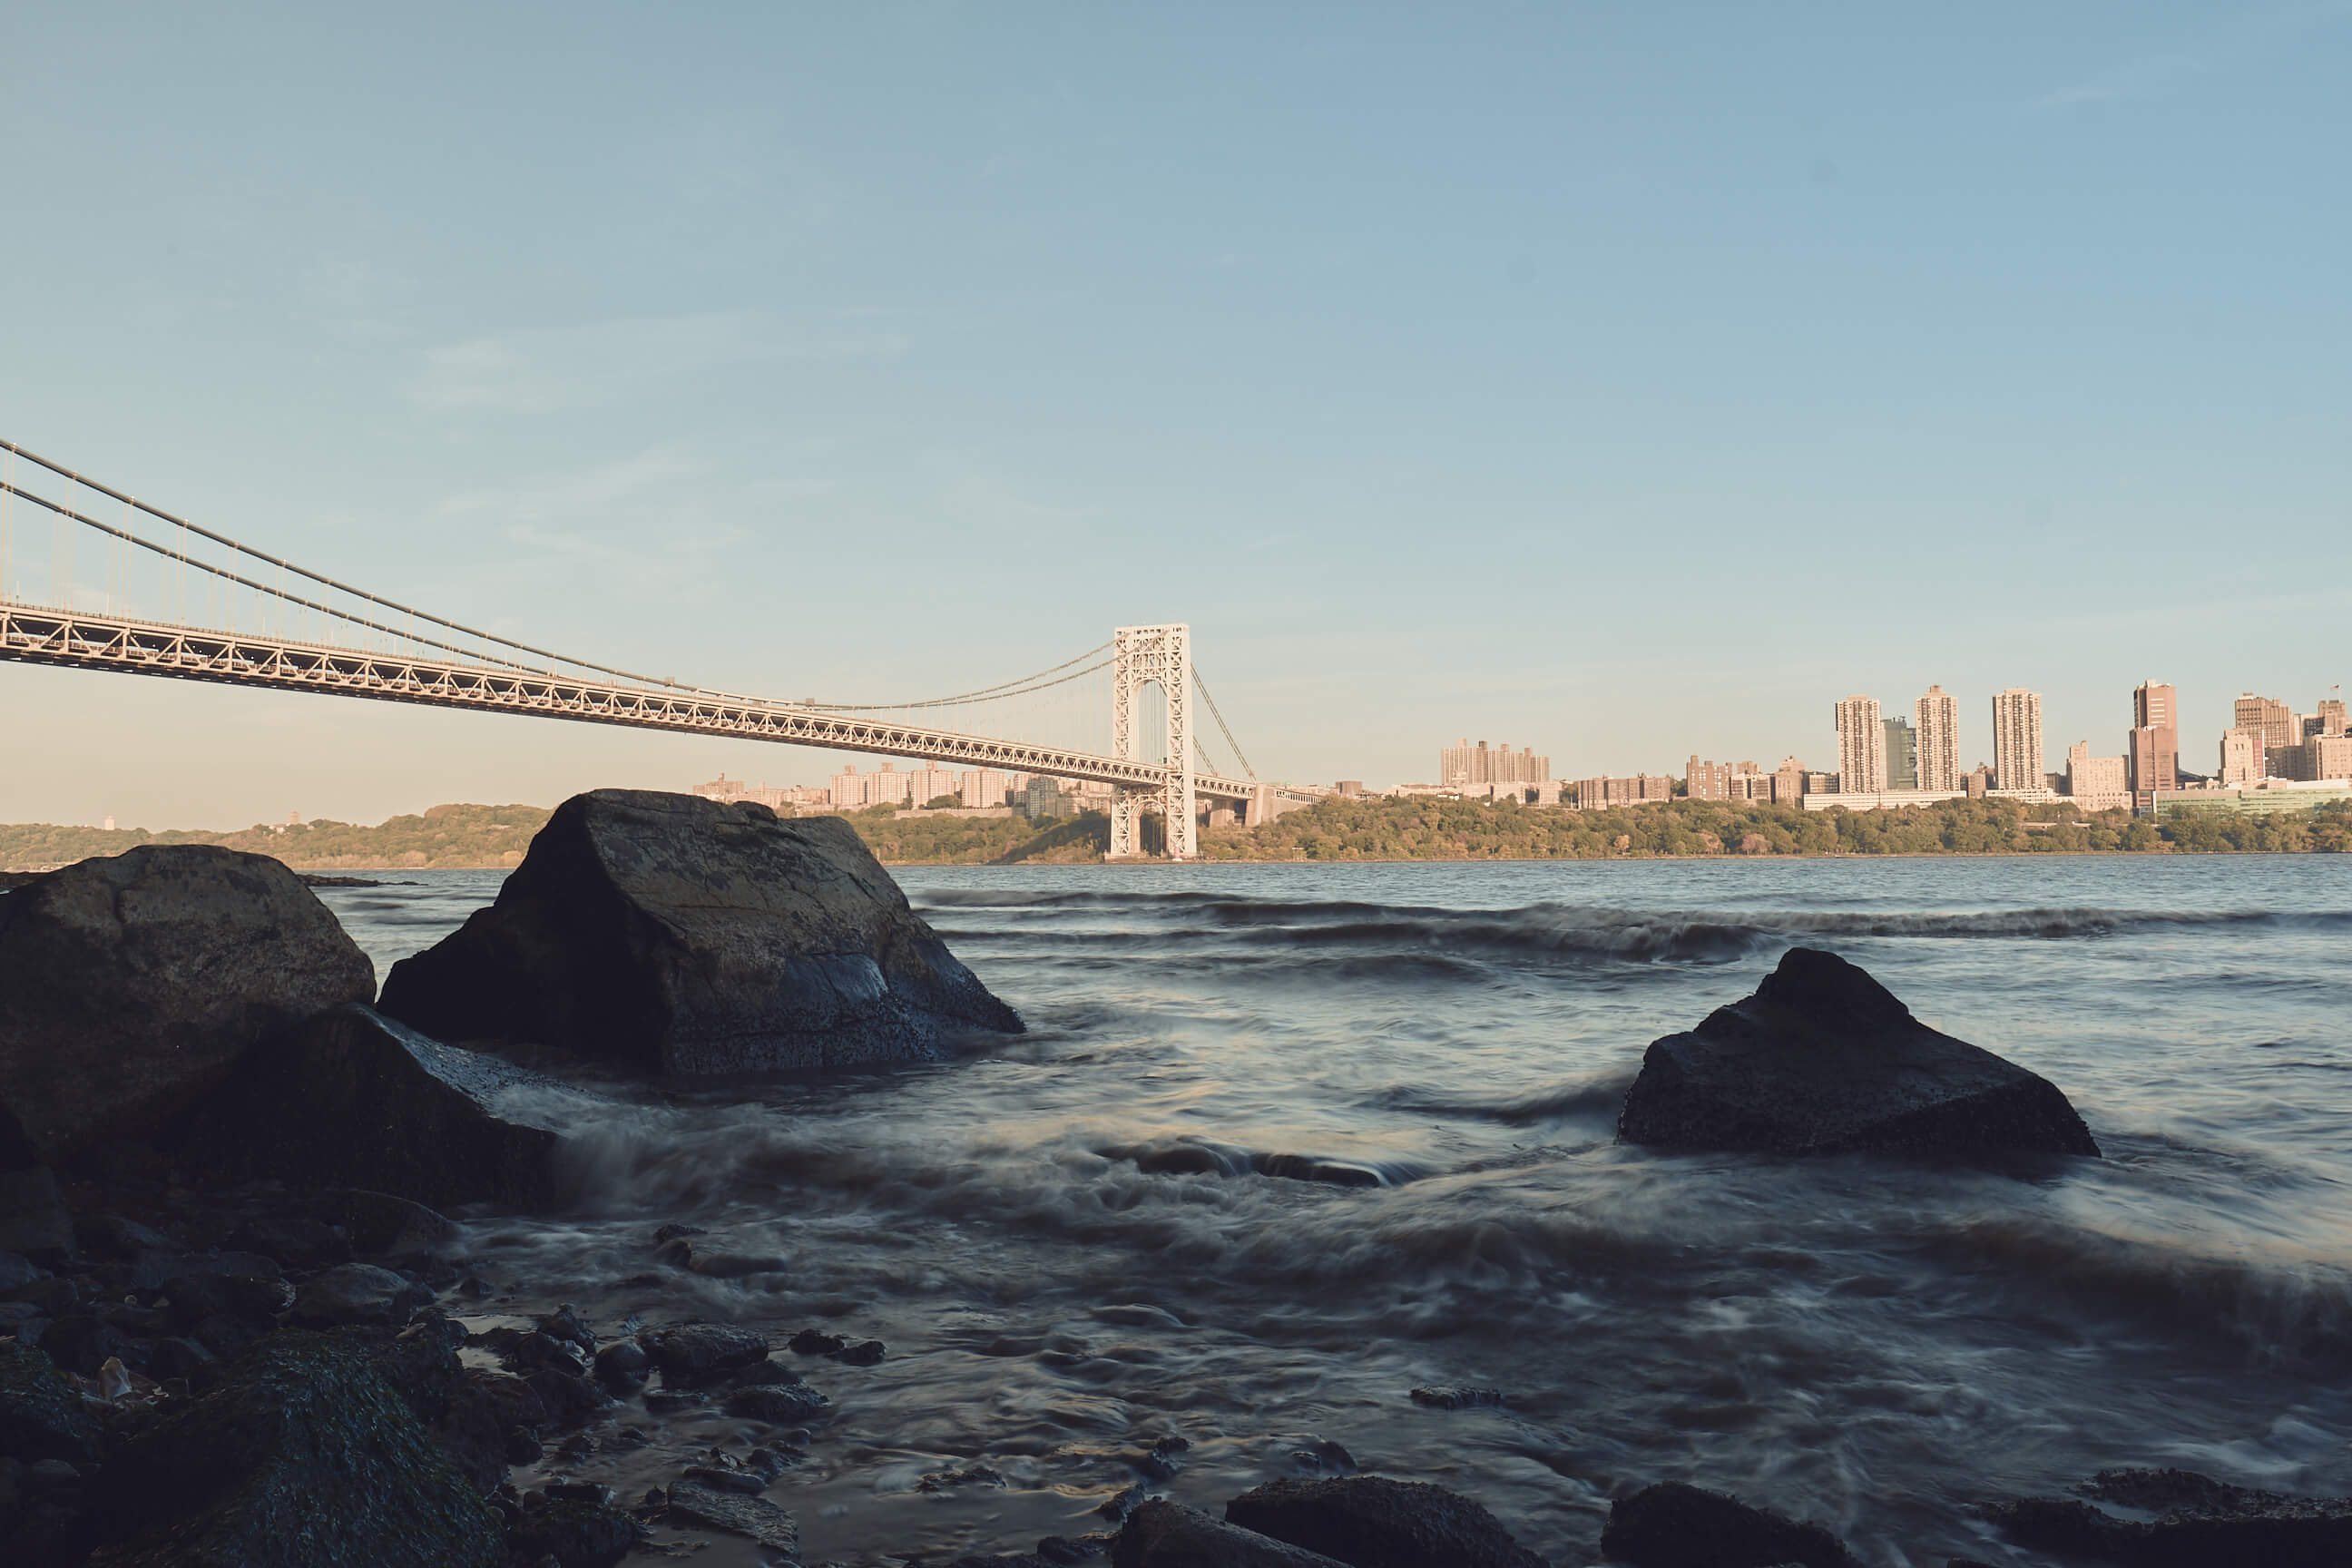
[1140, 655]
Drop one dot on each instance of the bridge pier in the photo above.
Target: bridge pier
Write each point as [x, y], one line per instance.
[1141, 656]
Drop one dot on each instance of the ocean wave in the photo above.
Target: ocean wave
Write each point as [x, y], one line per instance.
[1587, 931]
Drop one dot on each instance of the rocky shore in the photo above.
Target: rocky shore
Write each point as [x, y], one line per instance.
[242, 1320]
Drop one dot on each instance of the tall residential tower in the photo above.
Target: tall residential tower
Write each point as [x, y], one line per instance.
[2016, 740]
[1939, 741]
[1862, 746]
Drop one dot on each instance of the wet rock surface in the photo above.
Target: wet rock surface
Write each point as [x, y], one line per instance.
[2180, 1519]
[1822, 1059]
[1162, 1534]
[304, 1454]
[677, 935]
[1674, 1525]
[1371, 1522]
[355, 1100]
[131, 985]
[693, 1503]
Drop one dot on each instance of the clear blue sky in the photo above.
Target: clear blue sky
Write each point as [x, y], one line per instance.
[1626, 380]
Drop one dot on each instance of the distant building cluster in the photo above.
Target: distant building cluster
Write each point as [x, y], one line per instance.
[1463, 764]
[972, 789]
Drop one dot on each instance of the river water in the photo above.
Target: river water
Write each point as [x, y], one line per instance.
[1065, 1247]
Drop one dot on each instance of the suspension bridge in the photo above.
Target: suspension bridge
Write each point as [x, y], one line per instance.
[182, 601]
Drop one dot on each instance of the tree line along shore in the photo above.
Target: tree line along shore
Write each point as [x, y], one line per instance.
[458, 836]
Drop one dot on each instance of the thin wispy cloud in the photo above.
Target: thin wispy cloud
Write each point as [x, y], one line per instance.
[605, 362]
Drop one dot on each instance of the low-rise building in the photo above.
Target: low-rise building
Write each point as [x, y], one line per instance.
[1640, 789]
[2096, 783]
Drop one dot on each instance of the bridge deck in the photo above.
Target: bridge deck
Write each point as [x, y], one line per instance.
[76, 639]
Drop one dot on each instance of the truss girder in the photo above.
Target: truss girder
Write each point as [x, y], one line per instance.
[72, 638]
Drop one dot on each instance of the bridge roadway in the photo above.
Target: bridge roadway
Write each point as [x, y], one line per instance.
[74, 639]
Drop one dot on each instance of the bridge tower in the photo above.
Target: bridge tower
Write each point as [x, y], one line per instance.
[1140, 655]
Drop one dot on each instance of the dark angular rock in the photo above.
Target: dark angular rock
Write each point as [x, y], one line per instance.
[577, 1532]
[866, 1352]
[16, 1269]
[177, 1358]
[353, 1099]
[696, 1505]
[565, 1323]
[381, 1225]
[255, 1297]
[816, 1342]
[1371, 1522]
[1162, 1534]
[358, 1293]
[1671, 1525]
[2183, 1519]
[776, 1403]
[623, 1361]
[81, 1343]
[1822, 1059]
[302, 1454]
[747, 1483]
[112, 1235]
[33, 1217]
[674, 1230]
[672, 934]
[131, 985]
[42, 1414]
[693, 1350]
[569, 1398]
[294, 1241]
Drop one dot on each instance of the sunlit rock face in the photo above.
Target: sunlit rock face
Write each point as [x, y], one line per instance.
[671, 934]
[1822, 1059]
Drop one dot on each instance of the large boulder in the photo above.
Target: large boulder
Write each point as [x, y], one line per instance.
[671, 934]
[1675, 1525]
[304, 1452]
[353, 1098]
[2179, 1519]
[1822, 1059]
[1371, 1522]
[131, 984]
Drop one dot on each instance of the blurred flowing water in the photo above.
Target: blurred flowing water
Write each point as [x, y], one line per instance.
[1066, 1244]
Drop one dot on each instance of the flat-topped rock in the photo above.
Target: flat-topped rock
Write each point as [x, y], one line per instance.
[671, 934]
[1822, 1059]
[131, 982]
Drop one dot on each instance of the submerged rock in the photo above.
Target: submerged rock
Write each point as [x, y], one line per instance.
[694, 1504]
[302, 1454]
[355, 1100]
[691, 1351]
[2183, 1519]
[667, 933]
[1822, 1059]
[129, 985]
[1671, 1525]
[1162, 1534]
[1370, 1522]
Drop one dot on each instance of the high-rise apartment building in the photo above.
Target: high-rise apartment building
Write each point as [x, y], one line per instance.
[2152, 753]
[2094, 783]
[1938, 740]
[2017, 740]
[1902, 754]
[1464, 764]
[2242, 758]
[1708, 781]
[1861, 745]
[981, 788]
[2274, 721]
